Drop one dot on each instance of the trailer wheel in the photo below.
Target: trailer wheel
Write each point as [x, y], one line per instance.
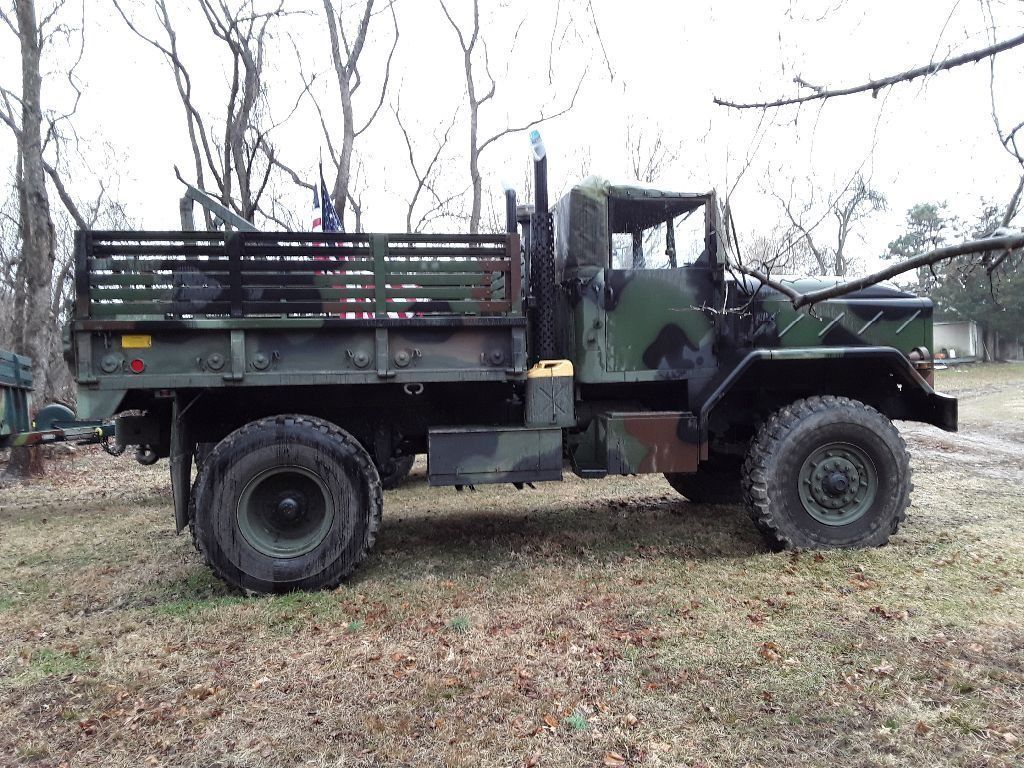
[286, 503]
[715, 482]
[827, 472]
[394, 471]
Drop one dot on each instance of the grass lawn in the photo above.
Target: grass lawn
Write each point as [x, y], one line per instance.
[590, 623]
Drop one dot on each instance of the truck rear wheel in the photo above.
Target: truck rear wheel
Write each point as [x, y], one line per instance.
[715, 482]
[286, 503]
[394, 471]
[827, 472]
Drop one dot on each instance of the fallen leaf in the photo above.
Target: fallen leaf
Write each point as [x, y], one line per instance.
[550, 720]
[769, 651]
[921, 728]
[614, 760]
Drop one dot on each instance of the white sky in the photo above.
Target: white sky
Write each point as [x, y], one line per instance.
[932, 141]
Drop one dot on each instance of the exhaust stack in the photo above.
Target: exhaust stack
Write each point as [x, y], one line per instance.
[542, 259]
[540, 172]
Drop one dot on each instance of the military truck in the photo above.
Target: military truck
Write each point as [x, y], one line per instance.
[606, 335]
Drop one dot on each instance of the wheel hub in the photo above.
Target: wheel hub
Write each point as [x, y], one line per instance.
[285, 511]
[838, 483]
[289, 509]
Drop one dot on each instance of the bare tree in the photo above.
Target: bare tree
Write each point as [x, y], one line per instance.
[650, 153]
[23, 113]
[346, 51]
[427, 202]
[846, 210]
[991, 251]
[470, 42]
[33, 252]
[874, 87]
[239, 160]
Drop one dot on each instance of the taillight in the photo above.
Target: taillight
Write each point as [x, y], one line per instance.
[137, 365]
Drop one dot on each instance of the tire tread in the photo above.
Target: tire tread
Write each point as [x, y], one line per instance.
[766, 448]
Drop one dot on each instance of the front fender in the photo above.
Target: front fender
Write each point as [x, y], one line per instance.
[916, 399]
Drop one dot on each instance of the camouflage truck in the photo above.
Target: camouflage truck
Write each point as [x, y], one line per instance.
[582, 338]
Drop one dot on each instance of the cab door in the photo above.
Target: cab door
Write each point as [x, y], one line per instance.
[658, 291]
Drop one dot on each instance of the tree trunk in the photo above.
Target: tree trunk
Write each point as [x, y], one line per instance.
[989, 344]
[474, 147]
[36, 224]
[341, 183]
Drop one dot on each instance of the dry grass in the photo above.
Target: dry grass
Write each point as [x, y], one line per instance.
[577, 624]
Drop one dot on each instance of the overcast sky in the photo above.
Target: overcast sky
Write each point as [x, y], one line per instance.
[927, 141]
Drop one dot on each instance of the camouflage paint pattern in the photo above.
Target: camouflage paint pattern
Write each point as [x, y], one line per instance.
[186, 312]
[199, 310]
[474, 455]
[649, 442]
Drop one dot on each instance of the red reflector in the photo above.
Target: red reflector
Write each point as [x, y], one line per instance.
[137, 365]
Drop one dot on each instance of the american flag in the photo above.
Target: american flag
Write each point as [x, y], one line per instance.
[325, 217]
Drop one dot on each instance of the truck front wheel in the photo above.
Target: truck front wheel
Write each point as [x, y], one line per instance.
[286, 503]
[827, 472]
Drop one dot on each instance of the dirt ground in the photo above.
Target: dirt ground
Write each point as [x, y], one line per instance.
[598, 623]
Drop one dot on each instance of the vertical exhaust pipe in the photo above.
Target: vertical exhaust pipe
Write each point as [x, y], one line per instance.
[542, 259]
[511, 216]
[540, 172]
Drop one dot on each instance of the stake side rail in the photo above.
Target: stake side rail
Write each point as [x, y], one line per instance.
[186, 276]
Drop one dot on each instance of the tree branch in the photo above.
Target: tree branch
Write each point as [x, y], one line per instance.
[65, 198]
[874, 86]
[542, 119]
[1004, 242]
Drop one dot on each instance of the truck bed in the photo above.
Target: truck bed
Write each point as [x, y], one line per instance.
[170, 310]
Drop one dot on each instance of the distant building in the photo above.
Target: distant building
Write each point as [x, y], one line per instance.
[958, 341]
[962, 341]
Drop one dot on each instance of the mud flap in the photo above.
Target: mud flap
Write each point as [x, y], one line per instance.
[183, 448]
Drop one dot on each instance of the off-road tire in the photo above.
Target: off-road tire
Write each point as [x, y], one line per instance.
[203, 451]
[790, 436]
[395, 471]
[315, 446]
[715, 482]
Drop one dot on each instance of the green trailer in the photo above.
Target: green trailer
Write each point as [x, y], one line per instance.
[279, 373]
[53, 423]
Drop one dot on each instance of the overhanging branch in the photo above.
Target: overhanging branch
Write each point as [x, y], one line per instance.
[874, 86]
[1006, 243]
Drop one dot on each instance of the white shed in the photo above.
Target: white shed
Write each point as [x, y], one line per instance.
[958, 340]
